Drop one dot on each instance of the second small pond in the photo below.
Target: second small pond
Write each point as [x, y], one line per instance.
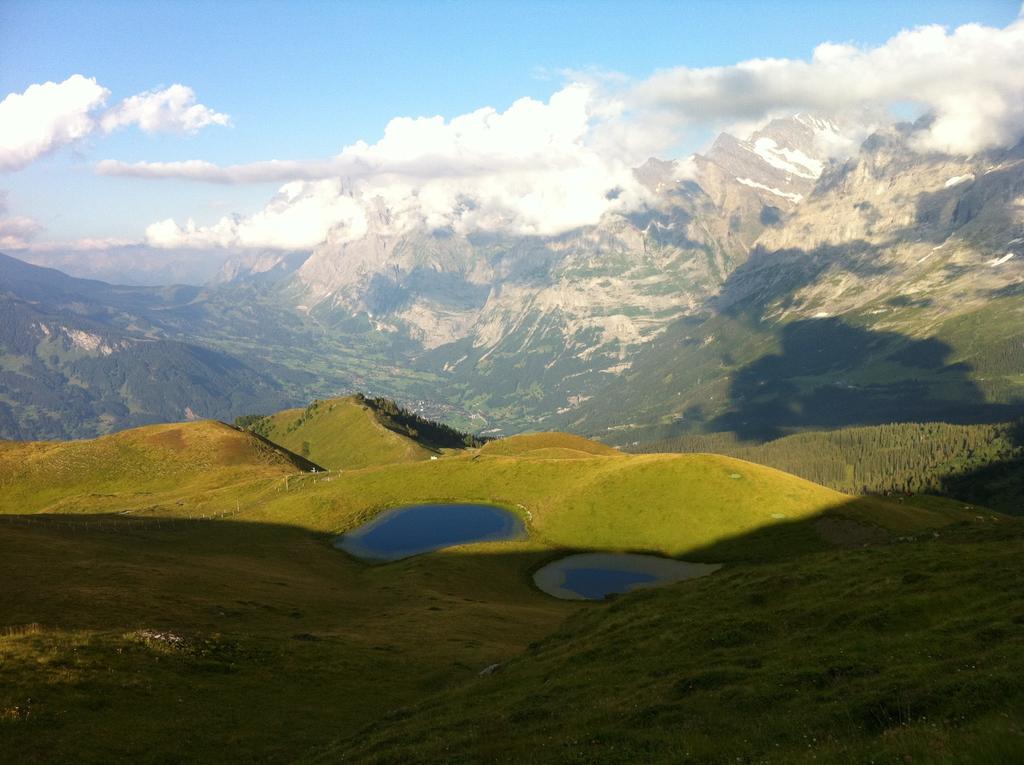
[595, 576]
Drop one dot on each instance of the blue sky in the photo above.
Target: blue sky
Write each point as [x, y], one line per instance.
[301, 81]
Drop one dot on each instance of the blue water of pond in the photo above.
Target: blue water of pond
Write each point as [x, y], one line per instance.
[597, 583]
[594, 576]
[407, 531]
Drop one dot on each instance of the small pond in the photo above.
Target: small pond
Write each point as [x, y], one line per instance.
[414, 529]
[594, 576]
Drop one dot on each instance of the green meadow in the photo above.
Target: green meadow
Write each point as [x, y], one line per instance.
[340, 433]
[171, 595]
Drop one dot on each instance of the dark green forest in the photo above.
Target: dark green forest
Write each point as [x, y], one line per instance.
[977, 463]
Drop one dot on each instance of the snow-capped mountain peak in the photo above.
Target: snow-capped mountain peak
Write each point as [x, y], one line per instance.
[782, 160]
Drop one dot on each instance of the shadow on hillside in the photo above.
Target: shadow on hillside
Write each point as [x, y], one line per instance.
[768, 274]
[116, 572]
[830, 375]
[668, 228]
[76, 571]
[111, 572]
[998, 485]
[947, 209]
[183, 625]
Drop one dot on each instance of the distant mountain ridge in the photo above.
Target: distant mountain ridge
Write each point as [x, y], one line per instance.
[673, 316]
[81, 357]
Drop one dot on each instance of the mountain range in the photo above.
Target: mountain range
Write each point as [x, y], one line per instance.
[778, 282]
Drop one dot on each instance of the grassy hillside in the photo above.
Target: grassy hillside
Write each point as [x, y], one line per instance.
[229, 641]
[892, 653]
[158, 638]
[572, 492]
[552, 444]
[663, 503]
[340, 433]
[153, 466]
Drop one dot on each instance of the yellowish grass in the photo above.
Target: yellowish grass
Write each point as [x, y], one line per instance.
[342, 433]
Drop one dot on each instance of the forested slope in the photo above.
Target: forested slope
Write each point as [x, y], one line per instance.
[979, 463]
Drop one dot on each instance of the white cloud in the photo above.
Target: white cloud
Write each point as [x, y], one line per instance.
[531, 169]
[46, 117]
[547, 167]
[84, 244]
[544, 168]
[173, 109]
[298, 217]
[199, 170]
[971, 79]
[16, 231]
[50, 115]
[482, 142]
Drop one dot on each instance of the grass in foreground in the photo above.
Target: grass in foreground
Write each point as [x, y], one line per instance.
[162, 639]
[905, 652]
[227, 641]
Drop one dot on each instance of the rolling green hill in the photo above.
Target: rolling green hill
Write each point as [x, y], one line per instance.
[177, 465]
[140, 628]
[662, 503]
[601, 498]
[340, 433]
[548, 444]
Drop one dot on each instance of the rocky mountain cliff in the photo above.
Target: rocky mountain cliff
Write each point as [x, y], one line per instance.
[781, 161]
[525, 326]
[891, 292]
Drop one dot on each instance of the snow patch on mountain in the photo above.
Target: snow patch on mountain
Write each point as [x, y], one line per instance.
[777, 192]
[789, 160]
[784, 157]
[958, 179]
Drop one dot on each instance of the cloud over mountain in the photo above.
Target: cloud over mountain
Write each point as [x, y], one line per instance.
[530, 169]
[299, 216]
[540, 167]
[970, 79]
[544, 168]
